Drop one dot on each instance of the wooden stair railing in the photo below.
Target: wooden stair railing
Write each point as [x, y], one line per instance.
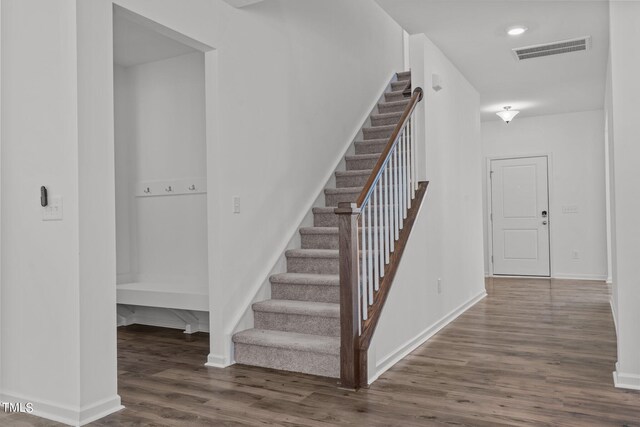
[373, 233]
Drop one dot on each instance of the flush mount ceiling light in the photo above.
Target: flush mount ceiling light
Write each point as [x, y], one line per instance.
[517, 30]
[508, 114]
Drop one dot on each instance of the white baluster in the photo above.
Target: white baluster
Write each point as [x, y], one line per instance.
[407, 178]
[363, 276]
[374, 225]
[388, 221]
[381, 243]
[361, 313]
[368, 254]
[409, 166]
[401, 179]
[396, 187]
[415, 156]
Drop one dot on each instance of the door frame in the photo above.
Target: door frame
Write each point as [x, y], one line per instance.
[489, 206]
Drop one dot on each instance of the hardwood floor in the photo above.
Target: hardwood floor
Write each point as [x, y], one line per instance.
[534, 352]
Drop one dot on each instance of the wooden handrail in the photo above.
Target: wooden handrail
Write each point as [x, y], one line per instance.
[393, 140]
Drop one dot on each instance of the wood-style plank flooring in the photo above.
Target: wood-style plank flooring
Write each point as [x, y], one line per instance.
[534, 352]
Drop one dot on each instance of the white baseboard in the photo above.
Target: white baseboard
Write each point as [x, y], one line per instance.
[571, 276]
[614, 314]
[558, 276]
[415, 342]
[214, 361]
[73, 416]
[91, 413]
[628, 381]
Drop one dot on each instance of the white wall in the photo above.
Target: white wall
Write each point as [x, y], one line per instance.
[623, 109]
[45, 310]
[446, 241]
[39, 147]
[575, 143]
[160, 136]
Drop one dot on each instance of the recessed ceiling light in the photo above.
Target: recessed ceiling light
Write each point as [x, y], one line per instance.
[516, 31]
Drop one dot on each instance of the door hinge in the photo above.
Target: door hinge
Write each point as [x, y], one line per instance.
[491, 216]
[491, 259]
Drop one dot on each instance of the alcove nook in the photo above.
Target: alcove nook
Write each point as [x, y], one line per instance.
[160, 169]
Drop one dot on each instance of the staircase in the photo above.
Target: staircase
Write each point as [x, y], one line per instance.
[299, 328]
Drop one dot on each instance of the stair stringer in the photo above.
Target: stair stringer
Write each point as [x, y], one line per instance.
[243, 317]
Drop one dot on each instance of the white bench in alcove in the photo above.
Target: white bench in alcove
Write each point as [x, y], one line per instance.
[180, 299]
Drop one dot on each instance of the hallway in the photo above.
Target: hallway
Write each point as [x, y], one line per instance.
[533, 352]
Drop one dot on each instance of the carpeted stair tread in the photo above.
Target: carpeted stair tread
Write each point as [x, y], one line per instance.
[306, 279]
[312, 253]
[304, 308]
[319, 230]
[289, 340]
[324, 210]
[399, 85]
[371, 156]
[343, 190]
[357, 172]
[395, 115]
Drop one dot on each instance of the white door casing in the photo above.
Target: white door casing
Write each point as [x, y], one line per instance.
[520, 216]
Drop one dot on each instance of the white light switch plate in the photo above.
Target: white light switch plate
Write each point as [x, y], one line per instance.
[53, 211]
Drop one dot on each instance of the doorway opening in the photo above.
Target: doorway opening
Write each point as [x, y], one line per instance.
[161, 176]
[519, 216]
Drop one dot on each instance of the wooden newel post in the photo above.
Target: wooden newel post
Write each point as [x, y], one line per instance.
[349, 319]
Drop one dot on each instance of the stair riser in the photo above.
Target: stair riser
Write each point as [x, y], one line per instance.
[399, 85]
[361, 164]
[404, 76]
[314, 325]
[373, 148]
[391, 108]
[384, 121]
[322, 241]
[393, 96]
[313, 265]
[376, 132]
[319, 241]
[334, 199]
[299, 292]
[326, 365]
[344, 181]
[325, 220]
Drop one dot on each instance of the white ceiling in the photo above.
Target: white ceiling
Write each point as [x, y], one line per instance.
[472, 35]
[135, 44]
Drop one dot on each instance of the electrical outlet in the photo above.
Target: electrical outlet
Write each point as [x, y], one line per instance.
[53, 210]
[236, 204]
[575, 254]
[439, 285]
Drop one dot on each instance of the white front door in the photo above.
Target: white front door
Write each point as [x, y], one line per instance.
[520, 216]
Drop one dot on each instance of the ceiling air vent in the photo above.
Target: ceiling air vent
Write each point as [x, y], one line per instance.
[555, 48]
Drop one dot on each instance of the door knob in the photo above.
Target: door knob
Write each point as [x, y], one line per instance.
[544, 223]
[544, 214]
